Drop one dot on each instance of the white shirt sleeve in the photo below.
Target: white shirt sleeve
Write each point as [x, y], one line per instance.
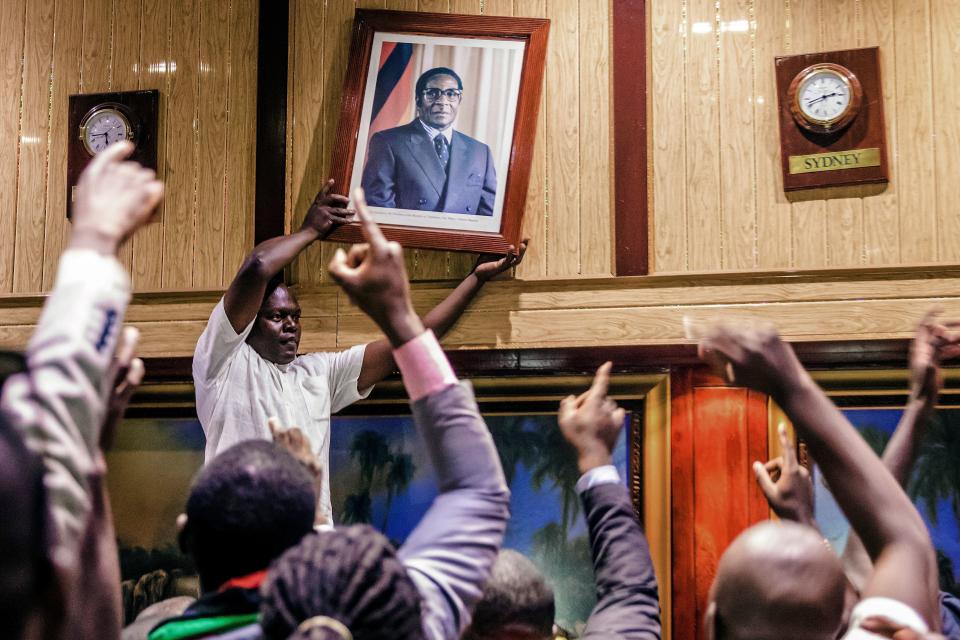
[606, 474]
[895, 611]
[343, 371]
[218, 342]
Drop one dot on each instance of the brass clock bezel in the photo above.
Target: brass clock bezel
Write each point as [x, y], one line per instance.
[829, 125]
[107, 107]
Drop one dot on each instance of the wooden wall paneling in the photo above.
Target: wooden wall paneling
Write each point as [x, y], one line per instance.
[182, 153]
[656, 486]
[434, 6]
[12, 15]
[881, 224]
[774, 240]
[65, 81]
[96, 62]
[214, 58]
[809, 222]
[155, 73]
[563, 138]
[946, 76]
[670, 31]
[682, 466]
[125, 68]
[843, 29]
[241, 137]
[916, 146]
[34, 129]
[737, 149]
[596, 213]
[501, 8]
[704, 215]
[534, 264]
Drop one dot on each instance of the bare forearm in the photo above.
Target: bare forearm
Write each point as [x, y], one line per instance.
[271, 256]
[901, 451]
[443, 316]
[869, 496]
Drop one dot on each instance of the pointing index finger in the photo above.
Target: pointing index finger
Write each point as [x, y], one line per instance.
[369, 228]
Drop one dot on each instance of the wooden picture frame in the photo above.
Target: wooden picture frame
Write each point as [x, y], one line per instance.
[447, 227]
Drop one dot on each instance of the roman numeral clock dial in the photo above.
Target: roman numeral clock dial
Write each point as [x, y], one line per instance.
[825, 97]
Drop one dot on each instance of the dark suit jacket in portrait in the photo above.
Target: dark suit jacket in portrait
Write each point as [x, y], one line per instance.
[404, 172]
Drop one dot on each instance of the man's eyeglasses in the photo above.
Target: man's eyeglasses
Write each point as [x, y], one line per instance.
[433, 94]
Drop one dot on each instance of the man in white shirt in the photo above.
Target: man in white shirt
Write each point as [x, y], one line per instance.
[246, 368]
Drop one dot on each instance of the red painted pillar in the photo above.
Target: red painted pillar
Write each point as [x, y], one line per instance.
[717, 432]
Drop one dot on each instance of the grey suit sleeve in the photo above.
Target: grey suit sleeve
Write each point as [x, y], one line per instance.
[489, 195]
[450, 553]
[378, 180]
[627, 603]
[59, 403]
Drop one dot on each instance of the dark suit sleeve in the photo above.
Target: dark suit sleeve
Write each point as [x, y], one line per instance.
[379, 181]
[627, 603]
[489, 194]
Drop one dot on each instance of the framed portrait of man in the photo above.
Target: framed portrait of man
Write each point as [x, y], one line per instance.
[437, 121]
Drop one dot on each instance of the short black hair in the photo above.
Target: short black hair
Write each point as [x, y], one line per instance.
[516, 593]
[436, 71]
[25, 567]
[351, 574]
[246, 507]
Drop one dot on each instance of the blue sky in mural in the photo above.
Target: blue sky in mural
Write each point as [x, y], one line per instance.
[542, 477]
[944, 529]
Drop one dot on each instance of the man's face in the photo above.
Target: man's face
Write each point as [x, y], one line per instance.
[439, 112]
[276, 331]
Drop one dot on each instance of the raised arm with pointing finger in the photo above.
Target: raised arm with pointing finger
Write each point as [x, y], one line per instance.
[246, 366]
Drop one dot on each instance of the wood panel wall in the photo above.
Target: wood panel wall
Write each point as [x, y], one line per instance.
[718, 202]
[201, 55]
[568, 214]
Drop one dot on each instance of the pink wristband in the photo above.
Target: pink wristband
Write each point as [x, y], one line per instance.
[424, 366]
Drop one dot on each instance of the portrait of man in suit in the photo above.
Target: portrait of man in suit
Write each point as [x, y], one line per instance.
[426, 164]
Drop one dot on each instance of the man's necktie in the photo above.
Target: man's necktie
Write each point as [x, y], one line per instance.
[443, 152]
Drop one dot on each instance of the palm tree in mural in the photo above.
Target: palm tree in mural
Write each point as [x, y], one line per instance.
[397, 479]
[370, 450]
[936, 476]
[557, 463]
[876, 437]
[356, 508]
[515, 444]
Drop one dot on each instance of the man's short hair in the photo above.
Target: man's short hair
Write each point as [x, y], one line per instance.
[436, 71]
[246, 507]
[515, 594]
[25, 567]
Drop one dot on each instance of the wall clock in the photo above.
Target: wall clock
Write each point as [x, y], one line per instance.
[98, 120]
[832, 128]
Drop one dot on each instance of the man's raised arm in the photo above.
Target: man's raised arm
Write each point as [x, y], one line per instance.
[876, 506]
[450, 553]
[242, 300]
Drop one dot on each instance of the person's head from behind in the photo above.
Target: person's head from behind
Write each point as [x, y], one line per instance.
[439, 92]
[517, 602]
[246, 507]
[348, 578]
[776, 581]
[26, 573]
[276, 331]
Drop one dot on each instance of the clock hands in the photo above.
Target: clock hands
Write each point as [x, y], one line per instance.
[824, 97]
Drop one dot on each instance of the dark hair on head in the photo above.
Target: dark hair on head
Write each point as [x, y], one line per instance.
[246, 507]
[516, 593]
[436, 71]
[352, 575]
[25, 568]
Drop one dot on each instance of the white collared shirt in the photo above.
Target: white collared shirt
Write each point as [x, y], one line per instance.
[433, 133]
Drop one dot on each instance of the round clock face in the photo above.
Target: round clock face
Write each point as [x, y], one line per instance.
[825, 97]
[103, 127]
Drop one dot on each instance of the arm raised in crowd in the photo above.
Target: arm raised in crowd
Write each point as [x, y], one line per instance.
[627, 602]
[61, 403]
[876, 506]
[450, 553]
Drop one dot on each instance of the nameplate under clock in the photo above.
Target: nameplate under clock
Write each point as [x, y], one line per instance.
[97, 120]
[832, 129]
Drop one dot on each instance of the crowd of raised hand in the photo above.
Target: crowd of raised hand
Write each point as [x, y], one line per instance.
[267, 570]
